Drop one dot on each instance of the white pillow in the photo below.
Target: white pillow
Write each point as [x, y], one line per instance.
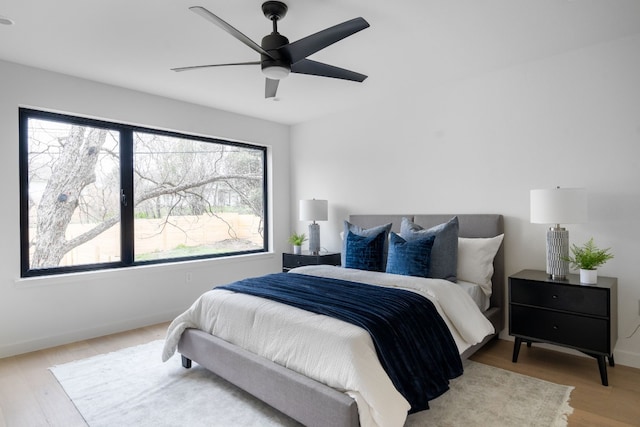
[475, 260]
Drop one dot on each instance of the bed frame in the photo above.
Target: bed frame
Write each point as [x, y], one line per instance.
[306, 400]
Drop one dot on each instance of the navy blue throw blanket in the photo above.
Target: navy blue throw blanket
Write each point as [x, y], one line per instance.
[413, 343]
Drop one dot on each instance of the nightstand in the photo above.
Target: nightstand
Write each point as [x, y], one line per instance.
[566, 313]
[290, 261]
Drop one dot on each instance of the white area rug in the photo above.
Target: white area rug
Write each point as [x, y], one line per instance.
[132, 387]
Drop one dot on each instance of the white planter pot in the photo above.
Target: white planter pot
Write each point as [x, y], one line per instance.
[297, 250]
[589, 277]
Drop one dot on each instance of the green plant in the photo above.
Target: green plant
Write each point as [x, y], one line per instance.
[297, 239]
[588, 256]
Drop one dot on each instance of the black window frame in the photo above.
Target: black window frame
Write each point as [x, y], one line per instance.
[126, 186]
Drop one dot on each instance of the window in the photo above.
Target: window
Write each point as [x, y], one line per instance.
[97, 195]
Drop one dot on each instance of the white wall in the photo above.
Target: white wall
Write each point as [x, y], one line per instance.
[480, 145]
[43, 312]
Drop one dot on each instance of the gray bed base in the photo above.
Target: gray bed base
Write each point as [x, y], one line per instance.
[303, 399]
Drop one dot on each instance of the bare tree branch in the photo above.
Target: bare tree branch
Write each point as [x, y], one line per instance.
[172, 190]
[88, 235]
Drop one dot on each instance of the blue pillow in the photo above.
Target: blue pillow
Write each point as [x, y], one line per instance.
[444, 254]
[366, 232]
[409, 258]
[365, 252]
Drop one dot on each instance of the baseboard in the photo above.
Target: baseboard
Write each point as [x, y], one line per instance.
[88, 333]
[627, 358]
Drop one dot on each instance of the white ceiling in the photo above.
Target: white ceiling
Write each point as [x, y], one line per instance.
[134, 43]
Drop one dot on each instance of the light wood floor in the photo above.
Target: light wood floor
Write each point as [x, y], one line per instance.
[31, 396]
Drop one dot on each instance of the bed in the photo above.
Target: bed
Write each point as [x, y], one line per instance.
[310, 401]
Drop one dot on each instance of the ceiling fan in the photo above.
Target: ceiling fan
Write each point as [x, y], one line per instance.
[278, 57]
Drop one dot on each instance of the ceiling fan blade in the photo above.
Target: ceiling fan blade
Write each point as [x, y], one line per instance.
[270, 88]
[304, 47]
[307, 66]
[196, 67]
[229, 29]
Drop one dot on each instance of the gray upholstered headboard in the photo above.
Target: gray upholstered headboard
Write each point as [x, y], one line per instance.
[471, 225]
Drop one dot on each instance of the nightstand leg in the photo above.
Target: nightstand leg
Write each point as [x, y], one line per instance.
[602, 364]
[611, 361]
[516, 349]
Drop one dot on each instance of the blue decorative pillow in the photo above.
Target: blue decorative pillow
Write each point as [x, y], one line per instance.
[409, 258]
[366, 232]
[444, 254]
[365, 252]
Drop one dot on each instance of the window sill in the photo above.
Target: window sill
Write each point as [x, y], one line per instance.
[116, 273]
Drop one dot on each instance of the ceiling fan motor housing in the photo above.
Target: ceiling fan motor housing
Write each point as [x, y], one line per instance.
[279, 58]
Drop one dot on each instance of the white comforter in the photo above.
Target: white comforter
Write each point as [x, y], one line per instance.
[328, 350]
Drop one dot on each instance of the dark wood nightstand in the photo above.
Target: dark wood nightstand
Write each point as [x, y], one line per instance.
[290, 261]
[566, 313]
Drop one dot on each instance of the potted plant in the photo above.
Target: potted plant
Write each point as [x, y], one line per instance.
[297, 240]
[588, 258]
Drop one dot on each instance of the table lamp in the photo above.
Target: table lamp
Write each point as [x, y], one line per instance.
[558, 206]
[314, 210]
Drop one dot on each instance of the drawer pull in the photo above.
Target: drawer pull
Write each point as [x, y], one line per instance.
[555, 297]
[555, 327]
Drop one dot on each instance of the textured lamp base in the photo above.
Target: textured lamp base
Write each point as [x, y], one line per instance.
[557, 252]
[314, 238]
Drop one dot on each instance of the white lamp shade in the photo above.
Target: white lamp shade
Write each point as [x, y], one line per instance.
[314, 210]
[559, 206]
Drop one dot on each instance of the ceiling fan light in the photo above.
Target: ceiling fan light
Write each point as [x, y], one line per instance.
[276, 72]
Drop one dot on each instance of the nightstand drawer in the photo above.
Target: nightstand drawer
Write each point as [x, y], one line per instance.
[577, 299]
[581, 332]
[290, 261]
